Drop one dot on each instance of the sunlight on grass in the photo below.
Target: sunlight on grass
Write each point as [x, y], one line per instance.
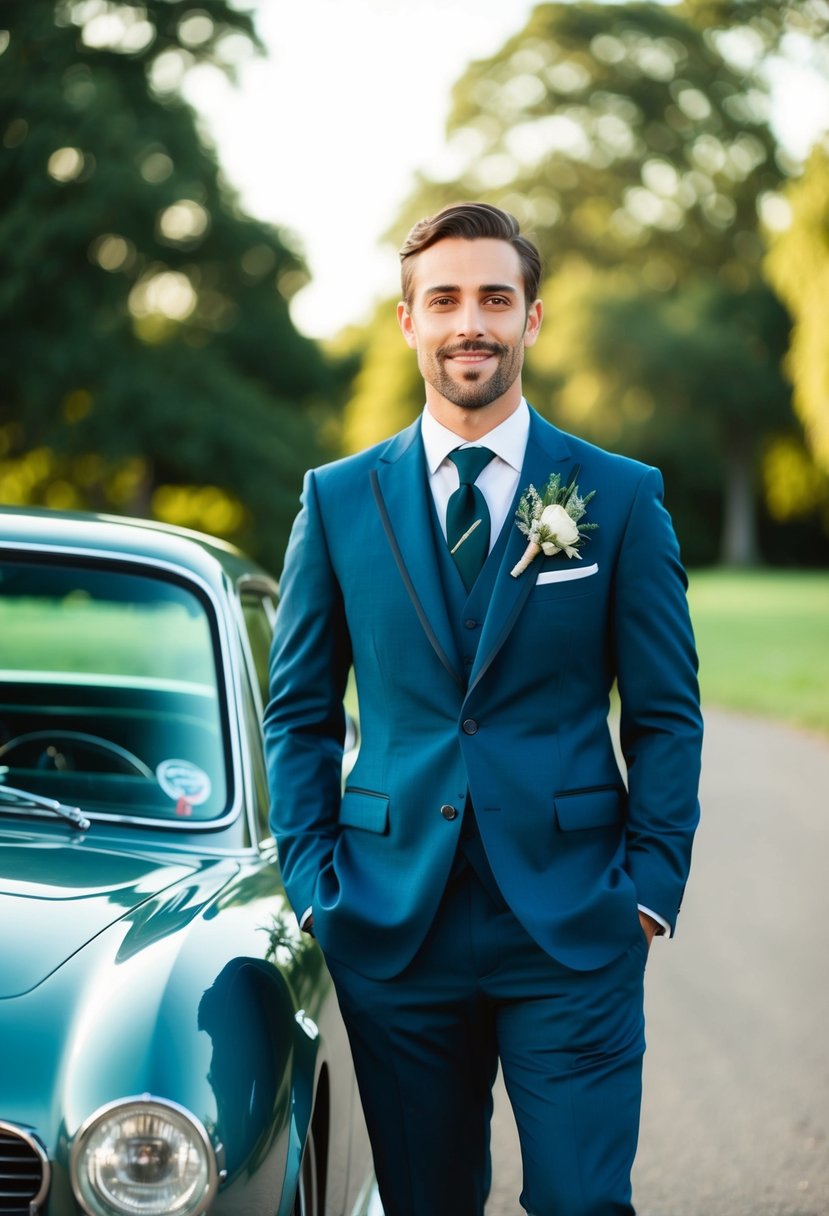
[763, 640]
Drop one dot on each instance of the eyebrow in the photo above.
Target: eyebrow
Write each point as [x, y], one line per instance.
[485, 289]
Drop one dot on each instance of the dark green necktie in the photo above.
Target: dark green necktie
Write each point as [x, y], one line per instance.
[467, 515]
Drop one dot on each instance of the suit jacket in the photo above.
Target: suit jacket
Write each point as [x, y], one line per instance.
[573, 845]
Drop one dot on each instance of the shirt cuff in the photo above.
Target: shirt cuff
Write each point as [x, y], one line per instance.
[660, 920]
[309, 912]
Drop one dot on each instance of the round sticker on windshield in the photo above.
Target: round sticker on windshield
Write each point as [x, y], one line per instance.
[183, 781]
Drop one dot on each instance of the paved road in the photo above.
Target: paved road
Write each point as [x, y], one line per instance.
[736, 1114]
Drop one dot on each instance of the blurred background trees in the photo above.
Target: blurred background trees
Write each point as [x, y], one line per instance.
[149, 363]
[634, 142]
[798, 267]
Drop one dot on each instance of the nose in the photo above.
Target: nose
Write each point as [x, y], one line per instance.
[470, 321]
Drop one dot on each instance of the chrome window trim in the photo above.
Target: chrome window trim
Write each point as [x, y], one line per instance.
[29, 1137]
[246, 661]
[228, 670]
[261, 584]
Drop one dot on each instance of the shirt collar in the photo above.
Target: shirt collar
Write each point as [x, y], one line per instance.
[508, 440]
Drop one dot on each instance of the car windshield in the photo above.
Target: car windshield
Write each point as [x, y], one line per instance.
[109, 696]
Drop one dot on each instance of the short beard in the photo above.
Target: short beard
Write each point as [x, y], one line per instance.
[471, 394]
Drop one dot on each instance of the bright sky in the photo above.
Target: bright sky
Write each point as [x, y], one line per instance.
[325, 135]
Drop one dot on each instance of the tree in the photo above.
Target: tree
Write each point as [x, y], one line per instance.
[620, 134]
[761, 27]
[689, 381]
[636, 151]
[149, 362]
[798, 265]
[387, 391]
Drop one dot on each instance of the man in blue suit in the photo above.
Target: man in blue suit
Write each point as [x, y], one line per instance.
[487, 885]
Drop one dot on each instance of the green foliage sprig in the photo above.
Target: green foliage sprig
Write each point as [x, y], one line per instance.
[551, 520]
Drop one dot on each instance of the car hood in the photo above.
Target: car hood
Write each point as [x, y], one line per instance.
[56, 896]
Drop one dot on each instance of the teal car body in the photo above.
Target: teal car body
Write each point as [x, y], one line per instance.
[170, 1041]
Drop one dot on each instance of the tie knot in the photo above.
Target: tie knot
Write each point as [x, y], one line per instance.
[470, 462]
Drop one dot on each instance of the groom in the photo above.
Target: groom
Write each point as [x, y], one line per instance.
[488, 884]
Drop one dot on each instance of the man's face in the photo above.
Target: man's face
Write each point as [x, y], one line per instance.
[468, 320]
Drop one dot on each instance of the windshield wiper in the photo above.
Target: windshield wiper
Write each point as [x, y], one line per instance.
[23, 798]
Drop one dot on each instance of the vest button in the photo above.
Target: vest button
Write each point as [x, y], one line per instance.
[470, 624]
[470, 727]
[448, 812]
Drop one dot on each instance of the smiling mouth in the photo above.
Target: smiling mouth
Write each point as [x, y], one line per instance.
[471, 354]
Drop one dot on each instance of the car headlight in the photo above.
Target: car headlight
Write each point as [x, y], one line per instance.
[143, 1157]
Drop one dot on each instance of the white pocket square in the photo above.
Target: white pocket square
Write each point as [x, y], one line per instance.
[565, 576]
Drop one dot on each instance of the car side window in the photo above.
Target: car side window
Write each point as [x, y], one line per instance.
[259, 612]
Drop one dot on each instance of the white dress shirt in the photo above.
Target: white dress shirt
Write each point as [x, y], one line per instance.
[498, 481]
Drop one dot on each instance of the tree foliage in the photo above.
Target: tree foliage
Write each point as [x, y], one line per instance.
[621, 134]
[387, 391]
[149, 362]
[633, 141]
[685, 380]
[762, 26]
[799, 268]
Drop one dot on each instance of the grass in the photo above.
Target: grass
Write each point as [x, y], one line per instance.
[85, 635]
[763, 641]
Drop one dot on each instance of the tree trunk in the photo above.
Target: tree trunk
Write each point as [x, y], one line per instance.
[739, 536]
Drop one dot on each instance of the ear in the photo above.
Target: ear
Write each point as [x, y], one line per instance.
[536, 312]
[404, 320]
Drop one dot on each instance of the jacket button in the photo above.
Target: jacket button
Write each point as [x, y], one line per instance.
[471, 624]
[448, 812]
[470, 727]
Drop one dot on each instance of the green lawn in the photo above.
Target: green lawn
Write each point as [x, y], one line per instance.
[763, 640]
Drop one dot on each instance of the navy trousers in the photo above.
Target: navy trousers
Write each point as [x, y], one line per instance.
[426, 1045]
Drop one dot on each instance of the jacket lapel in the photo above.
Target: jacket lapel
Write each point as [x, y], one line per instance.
[402, 495]
[547, 452]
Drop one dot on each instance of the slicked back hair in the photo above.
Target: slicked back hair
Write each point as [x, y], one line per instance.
[471, 222]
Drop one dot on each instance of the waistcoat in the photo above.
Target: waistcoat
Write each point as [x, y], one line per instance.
[466, 613]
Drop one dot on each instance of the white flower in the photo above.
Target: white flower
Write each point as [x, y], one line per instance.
[550, 521]
[561, 531]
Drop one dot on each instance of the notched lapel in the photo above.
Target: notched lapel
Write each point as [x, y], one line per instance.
[402, 495]
[547, 452]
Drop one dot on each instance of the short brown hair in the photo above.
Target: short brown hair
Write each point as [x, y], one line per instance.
[471, 222]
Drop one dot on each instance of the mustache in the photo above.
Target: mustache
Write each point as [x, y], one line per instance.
[470, 346]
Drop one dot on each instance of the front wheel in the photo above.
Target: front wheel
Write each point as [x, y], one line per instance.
[306, 1202]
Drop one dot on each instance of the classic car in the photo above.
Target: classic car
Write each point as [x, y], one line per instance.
[169, 1041]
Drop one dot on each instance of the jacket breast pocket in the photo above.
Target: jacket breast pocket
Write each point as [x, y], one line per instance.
[364, 809]
[566, 582]
[602, 806]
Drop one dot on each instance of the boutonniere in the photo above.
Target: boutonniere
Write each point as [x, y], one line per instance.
[550, 521]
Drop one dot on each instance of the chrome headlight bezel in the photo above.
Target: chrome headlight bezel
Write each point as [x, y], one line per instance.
[96, 1204]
